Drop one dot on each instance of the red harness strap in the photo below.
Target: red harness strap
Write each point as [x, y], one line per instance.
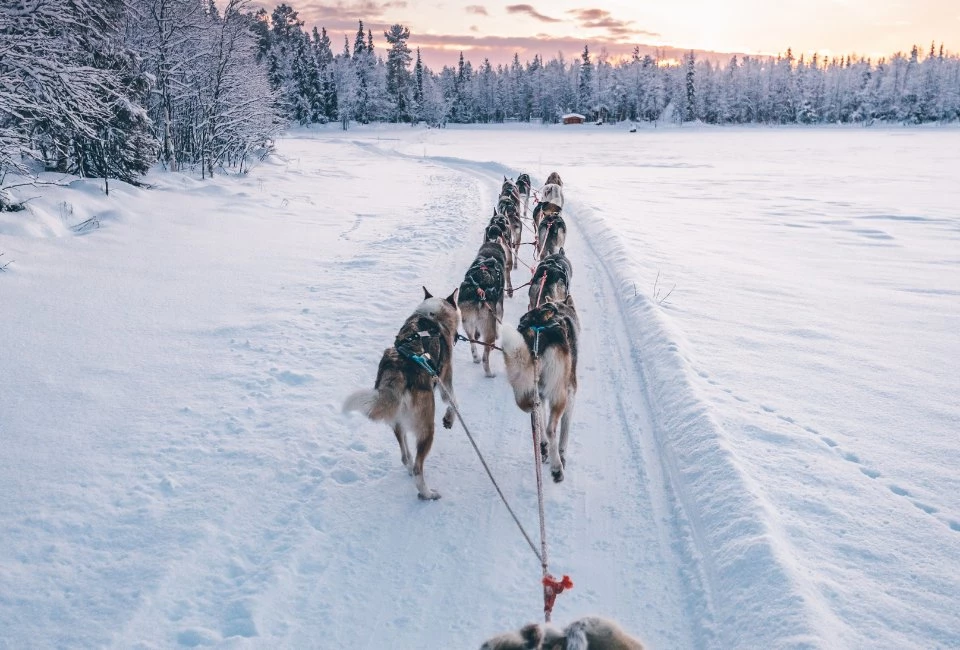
[551, 588]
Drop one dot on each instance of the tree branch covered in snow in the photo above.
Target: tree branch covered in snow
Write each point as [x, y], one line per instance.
[104, 88]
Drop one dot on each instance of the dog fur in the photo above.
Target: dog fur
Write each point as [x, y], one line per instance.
[551, 201]
[587, 633]
[510, 210]
[554, 178]
[403, 394]
[502, 222]
[481, 296]
[551, 234]
[510, 188]
[557, 351]
[524, 187]
[555, 273]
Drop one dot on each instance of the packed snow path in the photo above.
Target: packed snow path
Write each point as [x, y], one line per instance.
[177, 468]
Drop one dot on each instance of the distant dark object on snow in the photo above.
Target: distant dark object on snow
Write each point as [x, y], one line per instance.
[633, 129]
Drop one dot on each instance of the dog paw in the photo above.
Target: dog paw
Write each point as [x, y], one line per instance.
[490, 373]
[557, 475]
[543, 452]
[509, 293]
[476, 359]
[431, 495]
[448, 421]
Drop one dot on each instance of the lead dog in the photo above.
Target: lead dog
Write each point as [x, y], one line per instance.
[587, 633]
[402, 395]
[558, 328]
[481, 296]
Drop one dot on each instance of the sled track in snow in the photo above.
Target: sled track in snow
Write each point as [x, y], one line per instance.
[740, 590]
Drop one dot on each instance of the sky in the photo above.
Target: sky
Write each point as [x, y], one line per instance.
[442, 28]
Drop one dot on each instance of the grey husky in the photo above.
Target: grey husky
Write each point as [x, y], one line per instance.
[551, 280]
[481, 296]
[551, 234]
[554, 328]
[587, 633]
[402, 395]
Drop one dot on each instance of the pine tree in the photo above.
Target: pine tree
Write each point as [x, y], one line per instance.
[359, 43]
[418, 88]
[690, 107]
[347, 86]
[398, 75]
[585, 84]
[325, 63]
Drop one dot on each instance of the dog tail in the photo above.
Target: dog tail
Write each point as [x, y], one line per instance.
[577, 637]
[519, 363]
[378, 404]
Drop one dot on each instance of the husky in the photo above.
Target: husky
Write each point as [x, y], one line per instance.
[551, 201]
[507, 240]
[551, 280]
[554, 178]
[402, 395]
[510, 189]
[510, 210]
[551, 234]
[524, 186]
[587, 633]
[559, 329]
[481, 297]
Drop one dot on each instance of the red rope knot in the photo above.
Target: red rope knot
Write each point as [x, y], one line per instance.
[551, 588]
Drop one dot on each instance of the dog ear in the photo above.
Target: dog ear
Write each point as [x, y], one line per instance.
[532, 636]
[426, 294]
[452, 298]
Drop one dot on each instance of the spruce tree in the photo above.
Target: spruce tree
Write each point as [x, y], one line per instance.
[690, 110]
[398, 75]
[585, 84]
[418, 88]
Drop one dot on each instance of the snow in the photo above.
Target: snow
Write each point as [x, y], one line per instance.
[766, 458]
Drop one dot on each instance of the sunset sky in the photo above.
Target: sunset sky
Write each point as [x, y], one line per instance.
[442, 28]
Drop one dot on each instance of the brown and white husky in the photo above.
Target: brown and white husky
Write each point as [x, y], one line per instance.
[554, 328]
[402, 396]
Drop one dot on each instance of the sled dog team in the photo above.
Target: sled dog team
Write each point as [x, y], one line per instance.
[421, 359]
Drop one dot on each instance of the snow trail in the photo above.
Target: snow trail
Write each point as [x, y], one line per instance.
[195, 483]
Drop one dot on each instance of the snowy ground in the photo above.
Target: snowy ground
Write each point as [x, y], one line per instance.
[765, 460]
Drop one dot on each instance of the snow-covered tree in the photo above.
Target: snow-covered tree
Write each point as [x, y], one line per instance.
[399, 87]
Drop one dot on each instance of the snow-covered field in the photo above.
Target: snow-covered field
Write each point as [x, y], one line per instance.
[765, 458]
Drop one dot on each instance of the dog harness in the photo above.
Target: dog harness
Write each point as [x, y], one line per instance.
[425, 347]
